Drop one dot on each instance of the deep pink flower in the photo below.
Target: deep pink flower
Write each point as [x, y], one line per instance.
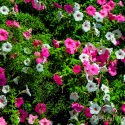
[40, 108]
[120, 18]
[37, 43]
[2, 80]
[78, 44]
[76, 69]
[3, 35]
[112, 70]
[106, 7]
[2, 121]
[105, 123]
[114, 63]
[111, 16]
[87, 113]
[56, 43]
[111, 4]
[101, 2]
[39, 60]
[70, 50]
[27, 1]
[77, 107]
[123, 108]
[69, 43]
[19, 101]
[56, 5]
[16, 24]
[32, 119]
[45, 52]
[91, 10]
[9, 22]
[68, 8]
[57, 79]
[45, 121]
[94, 69]
[23, 115]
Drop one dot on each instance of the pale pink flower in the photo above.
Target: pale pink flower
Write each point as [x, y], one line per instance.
[27, 34]
[16, 24]
[19, 102]
[16, 8]
[76, 69]
[2, 121]
[39, 60]
[120, 3]
[91, 10]
[101, 2]
[40, 108]
[57, 79]
[32, 119]
[37, 54]
[45, 121]
[3, 35]
[68, 8]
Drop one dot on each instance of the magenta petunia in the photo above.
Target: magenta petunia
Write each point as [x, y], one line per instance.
[9, 22]
[56, 5]
[77, 107]
[76, 69]
[57, 79]
[2, 80]
[90, 10]
[87, 113]
[3, 35]
[23, 115]
[45, 52]
[19, 102]
[40, 108]
[68, 8]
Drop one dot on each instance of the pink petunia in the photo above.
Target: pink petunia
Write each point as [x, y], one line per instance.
[45, 121]
[107, 8]
[76, 69]
[101, 2]
[27, 1]
[16, 8]
[37, 43]
[3, 35]
[23, 115]
[68, 8]
[112, 70]
[16, 24]
[87, 113]
[2, 80]
[40, 108]
[45, 52]
[56, 5]
[105, 123]
[39, 60]
[32, 119]
[111, 4]
[77, 107]
[69, 43]
[94, 69]
[120, 3]
[19, 102]
[56, 43]
[27, 34]
[120, 18]
[37, 54]
[91, 10]
[111, 16]
[2, 121]
[57, 79]
[70, 50]
[9, 22]
[103, 13]
[2, 71]
[123, 108]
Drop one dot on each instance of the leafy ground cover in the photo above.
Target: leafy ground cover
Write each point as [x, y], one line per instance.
[62, 62]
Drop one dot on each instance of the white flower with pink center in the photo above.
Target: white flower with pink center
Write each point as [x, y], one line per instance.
[98, 17]
[91, 86]
[95, 108]
[120, 54]
[78, 16]
[3, 101]
[86, 26]
[83, 57]
[74, 96]
[105, 88]
[109, 35]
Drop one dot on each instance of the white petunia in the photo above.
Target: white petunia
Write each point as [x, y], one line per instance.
[76, 7]
[74, 96]
[89, 78]
[103, 69]
[27, 62]
[113, 40]
[105, 88]
[59, 16]
[109, 35]
[94, 120]
[73, 115]
[97, 32]
[6, 47]
[25, 69]
[101, 50]
[16, 80]
[124, 77]
[28, 91]
[95, 108]
[120, 54]
[4, 10]
[3, 101]
[107, 109]
[91, 86]
[78, 16]
[83, 57]
[39, 67]
[5, 89]
[106, 97]
[86, 26]
[46, 45]
[123, 121]
[98, 17]
[117, 33]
